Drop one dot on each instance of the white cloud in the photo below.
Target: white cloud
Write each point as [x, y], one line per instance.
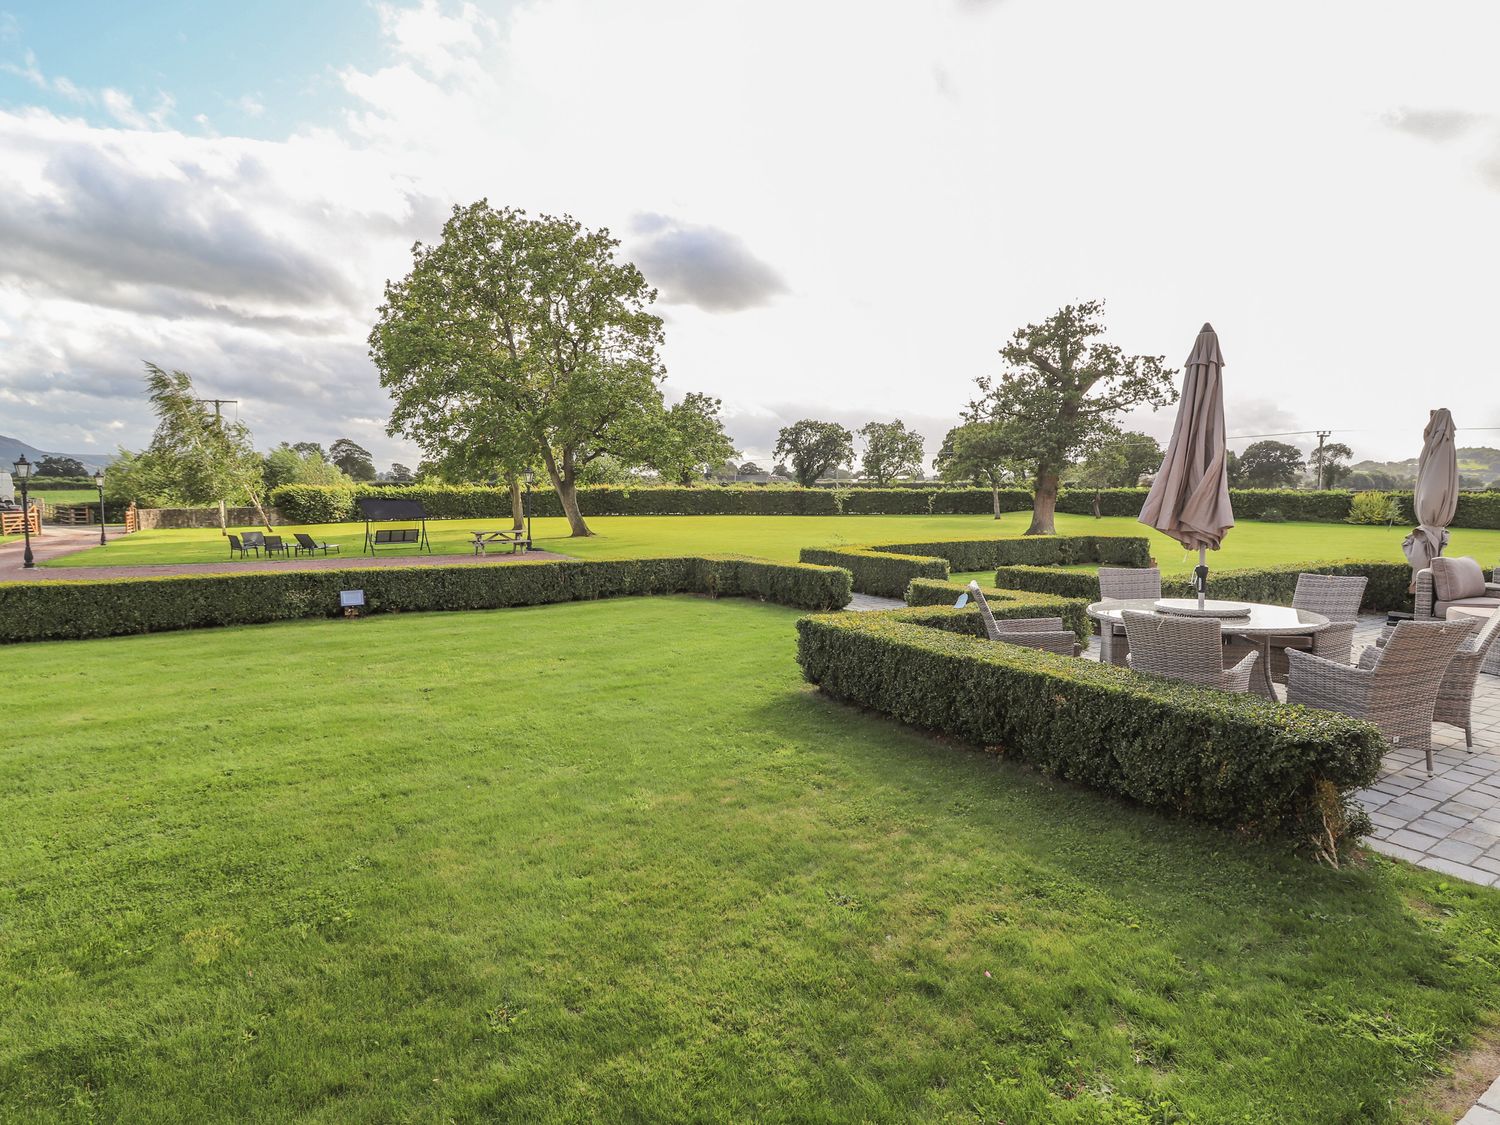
[925, 178]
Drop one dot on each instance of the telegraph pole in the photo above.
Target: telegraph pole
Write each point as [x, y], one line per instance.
[1321, 435]
[218, 405]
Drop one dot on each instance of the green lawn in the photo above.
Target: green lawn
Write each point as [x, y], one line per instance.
[63, 497]
[781, 537]
[614, 861]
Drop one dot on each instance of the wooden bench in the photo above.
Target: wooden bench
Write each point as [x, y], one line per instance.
[396, 537]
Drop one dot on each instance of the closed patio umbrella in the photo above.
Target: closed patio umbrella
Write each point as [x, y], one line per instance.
[1435, 498]
[1189, 499]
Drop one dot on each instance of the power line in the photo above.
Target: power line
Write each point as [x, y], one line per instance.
[218, 404]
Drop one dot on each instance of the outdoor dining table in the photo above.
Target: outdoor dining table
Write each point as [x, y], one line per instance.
[1258, 628]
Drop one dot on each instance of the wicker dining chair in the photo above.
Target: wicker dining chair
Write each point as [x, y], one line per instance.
[1190, 649]
[1455, 698]
[1123, 583]
[1336, 597]
[1395, 685]
[1046, 633]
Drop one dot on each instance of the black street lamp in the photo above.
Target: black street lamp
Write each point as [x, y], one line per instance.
[530, 477]
[99, 484]
[23, 474]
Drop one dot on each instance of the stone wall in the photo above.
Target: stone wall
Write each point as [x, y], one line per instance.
[152, 519]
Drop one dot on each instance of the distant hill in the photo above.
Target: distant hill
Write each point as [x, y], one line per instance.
[12, 448]
[1480, 463]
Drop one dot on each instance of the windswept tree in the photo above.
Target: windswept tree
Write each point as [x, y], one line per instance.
[692, 440]
[982, 452]
[814, 449]
[526, 337]
[1061, 390]
[286, 464]
[891, 451]
[195, 456]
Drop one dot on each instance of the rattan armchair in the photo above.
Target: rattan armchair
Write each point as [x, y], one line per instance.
[1455, 698]
[1190, 649]
[1123, 583]
[1424, 595]
[1337, 598]
[1394, 686]
[1046, 633]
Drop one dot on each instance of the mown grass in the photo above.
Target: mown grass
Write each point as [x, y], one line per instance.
[781, 537]
[614, 861]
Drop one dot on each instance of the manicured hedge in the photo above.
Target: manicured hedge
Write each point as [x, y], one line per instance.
[886, 569]
[66, 610]
[1006, 603]
[1228, 759]
[1274, 585]
[303, 504]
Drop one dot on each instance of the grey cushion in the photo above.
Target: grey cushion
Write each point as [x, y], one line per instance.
[1440, 609]
[1455, 579]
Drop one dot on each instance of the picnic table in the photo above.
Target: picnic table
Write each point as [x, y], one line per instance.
[514, 538]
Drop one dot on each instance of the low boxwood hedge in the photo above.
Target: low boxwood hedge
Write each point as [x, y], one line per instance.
[886, 569]
[1227, 759]
[69, 610]
[1006, 603]
[1275, 585]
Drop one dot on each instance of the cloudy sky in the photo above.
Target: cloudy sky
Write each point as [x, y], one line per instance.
[847, 207]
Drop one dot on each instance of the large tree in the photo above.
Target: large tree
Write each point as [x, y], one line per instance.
[1061, 390]
[982, 452]
[528, 338]
[352, 458]
[1119, 459]
[891, 451]
[814, 448]
[692, 441]
[1329, 464]
[53, 466]
[1269, 464]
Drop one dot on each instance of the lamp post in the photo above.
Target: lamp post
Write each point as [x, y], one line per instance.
[530, 476]
[99, 484]
[23, 474]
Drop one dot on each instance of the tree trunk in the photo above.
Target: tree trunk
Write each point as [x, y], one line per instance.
[517, 509]
[995, 495]
[565, 483]
[1044, 505]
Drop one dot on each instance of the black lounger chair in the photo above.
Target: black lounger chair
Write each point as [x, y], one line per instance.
[307, 543]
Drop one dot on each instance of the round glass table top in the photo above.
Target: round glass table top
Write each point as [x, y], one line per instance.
[1263, 619]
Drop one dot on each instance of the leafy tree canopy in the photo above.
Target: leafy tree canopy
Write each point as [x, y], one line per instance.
[286, 465]
[1119, 460]
[1061, 390]
[1330, 465]
[353, 459]
[891, 451]
[692, 440]
[60, 467]
[982, 452]
[814, 449]
[1268, 464]
[526, 340]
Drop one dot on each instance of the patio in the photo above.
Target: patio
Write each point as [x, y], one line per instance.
[1449, 822]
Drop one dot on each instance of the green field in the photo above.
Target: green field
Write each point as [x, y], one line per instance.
[781, 537]
[615, 861]
[65, 496]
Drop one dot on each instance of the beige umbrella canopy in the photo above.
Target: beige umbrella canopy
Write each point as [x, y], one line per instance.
[1435, 498]
[1189, 499]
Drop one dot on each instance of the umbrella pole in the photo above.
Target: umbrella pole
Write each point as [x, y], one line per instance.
[1202, 575]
